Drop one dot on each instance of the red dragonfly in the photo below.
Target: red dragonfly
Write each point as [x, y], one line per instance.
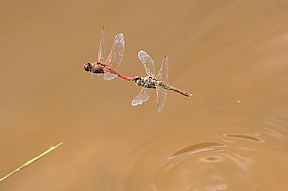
[153, 81]
[114, 60]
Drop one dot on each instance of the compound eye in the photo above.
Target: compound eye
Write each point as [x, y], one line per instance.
[86, 66]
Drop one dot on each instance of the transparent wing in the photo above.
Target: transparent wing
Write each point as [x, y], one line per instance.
[115, 58]
[101, 51]
[109, 76]
[143, 96]
[163, 72]
[148, 63]
[161, 98]
[93, 75]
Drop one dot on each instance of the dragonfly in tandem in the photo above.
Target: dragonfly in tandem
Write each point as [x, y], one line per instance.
[108, 66]
[153, 81]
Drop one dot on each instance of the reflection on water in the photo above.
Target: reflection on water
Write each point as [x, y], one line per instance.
[203, 166]
[207, 160]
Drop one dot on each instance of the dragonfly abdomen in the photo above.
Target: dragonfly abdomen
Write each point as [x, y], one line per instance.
[180, 91]
[167, 87]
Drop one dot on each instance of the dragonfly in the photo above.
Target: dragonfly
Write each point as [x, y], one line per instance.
[153, 81]
[108, 66]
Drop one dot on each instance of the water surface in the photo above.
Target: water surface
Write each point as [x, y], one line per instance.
[231, 135]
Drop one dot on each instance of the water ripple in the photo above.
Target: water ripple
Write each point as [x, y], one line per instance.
[197, 148]
[211, 159]
[188, 151]
[248, 137]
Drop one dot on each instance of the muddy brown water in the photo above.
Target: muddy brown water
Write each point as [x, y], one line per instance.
[231, 135]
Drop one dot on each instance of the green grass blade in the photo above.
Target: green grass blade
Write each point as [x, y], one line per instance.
[24, 165]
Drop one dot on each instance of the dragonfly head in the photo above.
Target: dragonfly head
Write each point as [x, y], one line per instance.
[87, 67]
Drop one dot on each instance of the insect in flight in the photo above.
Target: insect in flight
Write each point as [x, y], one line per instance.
[114, 60]
[153, 81]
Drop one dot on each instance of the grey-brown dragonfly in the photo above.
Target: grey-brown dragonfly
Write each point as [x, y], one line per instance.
[153, 81]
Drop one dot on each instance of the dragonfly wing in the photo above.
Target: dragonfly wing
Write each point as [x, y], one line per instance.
[163, 72]
[115, 58]
[148, 62]
[101, 51]
[92, 75]
[109, 76]
[161, 98]
[143, 96]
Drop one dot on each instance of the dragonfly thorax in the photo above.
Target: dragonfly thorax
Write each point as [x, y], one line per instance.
[94, 68]
[147, 82]
[97, 69]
